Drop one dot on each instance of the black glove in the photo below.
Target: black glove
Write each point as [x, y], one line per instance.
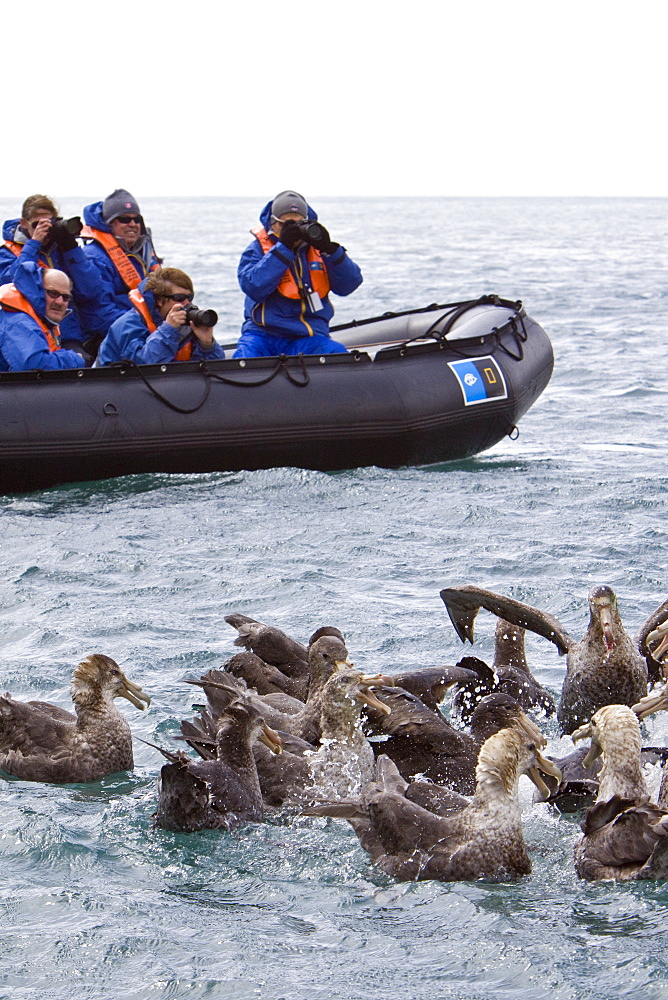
[323, 242]
[62, 237]
[290, 234]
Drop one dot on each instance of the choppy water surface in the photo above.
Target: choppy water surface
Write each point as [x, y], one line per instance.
[95, 901]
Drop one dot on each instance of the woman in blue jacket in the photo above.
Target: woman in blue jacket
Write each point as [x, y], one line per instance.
[155, 329]
[287, 273]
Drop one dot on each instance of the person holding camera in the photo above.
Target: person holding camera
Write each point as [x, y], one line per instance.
[162, 324]
[41, 236]
[287, 273]
[32, 310]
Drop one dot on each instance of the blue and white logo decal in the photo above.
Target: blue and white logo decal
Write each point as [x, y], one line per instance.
[480, 379]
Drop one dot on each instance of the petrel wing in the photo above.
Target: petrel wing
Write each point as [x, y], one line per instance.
[463, 604]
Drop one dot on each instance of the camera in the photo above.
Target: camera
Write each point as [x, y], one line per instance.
[311, 231]
[72, 226]
[201, 317]
[63, 232]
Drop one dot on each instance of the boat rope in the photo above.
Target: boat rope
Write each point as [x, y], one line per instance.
[464, 307]
[209, 376]
[520, 336]
[280, 366]
[444, 308]
[163, 399]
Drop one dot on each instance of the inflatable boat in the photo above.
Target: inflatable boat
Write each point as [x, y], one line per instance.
[419, 387]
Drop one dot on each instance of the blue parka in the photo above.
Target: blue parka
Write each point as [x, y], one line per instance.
[115, 288]
[129, 340]
[87, 288]
[23, 345]
[266, 311]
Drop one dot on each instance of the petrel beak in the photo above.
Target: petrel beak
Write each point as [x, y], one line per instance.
[366, 695]
[547, 767]
[660, 632]
[133, 693]
[532, 730]
[271, 739]
[605, 618]
[653, 702]
[583, 733]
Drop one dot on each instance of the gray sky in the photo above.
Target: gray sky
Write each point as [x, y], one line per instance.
[522, 97]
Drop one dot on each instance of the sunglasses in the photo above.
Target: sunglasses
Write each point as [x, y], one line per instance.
[180, 297]
[125, 219]
[53, 294]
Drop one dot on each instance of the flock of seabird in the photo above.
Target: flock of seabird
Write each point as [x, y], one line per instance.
[297, 728]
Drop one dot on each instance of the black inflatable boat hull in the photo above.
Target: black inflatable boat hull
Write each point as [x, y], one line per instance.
[411, 404]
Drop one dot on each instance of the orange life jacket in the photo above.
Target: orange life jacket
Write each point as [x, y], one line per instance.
[17, 248]
[318, 277]
[185, 351]
[13, 299]
[117, 256]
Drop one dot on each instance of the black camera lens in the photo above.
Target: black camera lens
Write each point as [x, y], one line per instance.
[311, 231]
[63, 232]
[74, 225]
[201, 317]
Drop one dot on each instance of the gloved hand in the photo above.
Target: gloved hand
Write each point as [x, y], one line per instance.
[290, 234]
[324, 244]
[63, 238]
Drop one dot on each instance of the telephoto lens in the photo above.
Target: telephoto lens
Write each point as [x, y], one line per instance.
[311, 231]
[201, 317]
[72, 226]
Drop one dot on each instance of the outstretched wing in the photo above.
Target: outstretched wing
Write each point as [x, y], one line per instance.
[463, 604]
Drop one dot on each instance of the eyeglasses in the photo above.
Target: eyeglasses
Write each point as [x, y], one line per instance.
[180, 297]
[125, 219]
[53, 294]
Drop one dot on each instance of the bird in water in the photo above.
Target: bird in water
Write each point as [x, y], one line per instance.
[326, 656]
[339, 759]
[43, 742]
[483, 838]
[510, 674]
[344, 759]
[444, 781]
[422, 742]
[223, 790]
[625, 836]
[605, 667]
[580, 770]
[274, 662]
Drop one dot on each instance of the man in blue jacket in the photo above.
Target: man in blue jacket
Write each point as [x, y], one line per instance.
[119, 246]
[156, 329]
[35, 237]
[287, 273]
[32, 308]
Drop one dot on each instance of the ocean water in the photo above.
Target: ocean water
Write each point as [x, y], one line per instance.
[96, 903]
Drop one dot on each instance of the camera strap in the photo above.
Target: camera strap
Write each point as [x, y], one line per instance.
[304, 285]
